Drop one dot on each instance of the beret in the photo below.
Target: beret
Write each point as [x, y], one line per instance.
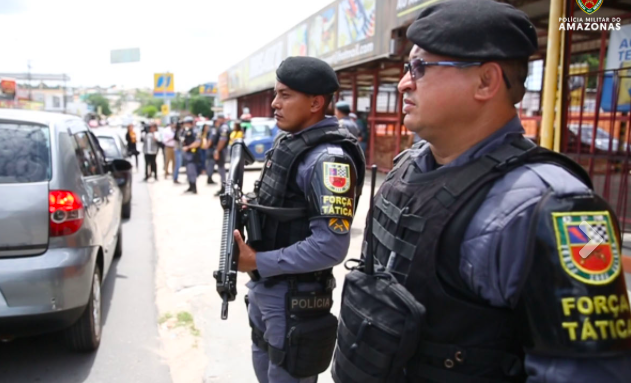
[308, 75]
[343, 106]
[477, 30]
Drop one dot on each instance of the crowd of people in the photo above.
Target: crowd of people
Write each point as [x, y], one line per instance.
[201, 149]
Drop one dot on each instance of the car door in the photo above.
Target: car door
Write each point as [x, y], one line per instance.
[112, 197]
[98, 189]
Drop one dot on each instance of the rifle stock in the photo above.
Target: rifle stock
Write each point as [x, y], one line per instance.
[226, 275]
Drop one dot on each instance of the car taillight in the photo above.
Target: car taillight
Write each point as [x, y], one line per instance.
[66, 212]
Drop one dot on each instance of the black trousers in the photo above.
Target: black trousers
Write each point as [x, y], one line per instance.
[150, 165]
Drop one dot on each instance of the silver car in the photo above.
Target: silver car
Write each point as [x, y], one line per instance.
[60, 226]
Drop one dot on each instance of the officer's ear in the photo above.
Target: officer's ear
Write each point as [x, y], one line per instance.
[489, 81]
[318, 103]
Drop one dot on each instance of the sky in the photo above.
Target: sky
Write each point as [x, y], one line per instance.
[196, 40]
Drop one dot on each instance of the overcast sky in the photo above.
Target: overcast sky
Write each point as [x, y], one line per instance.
[194, 39]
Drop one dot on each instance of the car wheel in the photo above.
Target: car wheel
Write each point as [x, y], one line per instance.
[85, 334]
[118, 252]
[126, 210]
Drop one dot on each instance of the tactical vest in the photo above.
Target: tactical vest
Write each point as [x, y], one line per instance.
[277, 186]
[418, 225]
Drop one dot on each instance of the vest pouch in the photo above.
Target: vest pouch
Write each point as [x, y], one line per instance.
[379, 329]
[309, 344]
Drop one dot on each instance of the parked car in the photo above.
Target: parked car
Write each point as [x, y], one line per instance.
[60, 226]
[114, 148]
[259, 137]
[601, 143]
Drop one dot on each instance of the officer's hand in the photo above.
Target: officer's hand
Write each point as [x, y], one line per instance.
[216, 156]
[247, 255]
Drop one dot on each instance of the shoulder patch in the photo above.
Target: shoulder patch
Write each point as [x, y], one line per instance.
[337, 177]
[588, 247]
[339, 225]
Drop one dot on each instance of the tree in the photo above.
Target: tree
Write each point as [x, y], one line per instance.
[201, 105]
[149, 111]
[97, 100]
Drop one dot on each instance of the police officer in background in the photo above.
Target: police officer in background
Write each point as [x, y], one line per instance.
[190, 145]
[342, 112]
[489, 234]
[219, 147]
[310, 186]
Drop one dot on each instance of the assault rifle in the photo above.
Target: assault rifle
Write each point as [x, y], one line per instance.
[234, 218]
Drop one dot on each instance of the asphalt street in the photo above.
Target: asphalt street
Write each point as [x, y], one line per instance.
[130, 347]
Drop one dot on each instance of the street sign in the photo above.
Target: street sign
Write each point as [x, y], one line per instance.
[163, 85]
[208, 89]
[165, 109]
[118, 56]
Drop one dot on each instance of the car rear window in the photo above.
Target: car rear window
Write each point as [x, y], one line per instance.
[24, 153]
[108, 144]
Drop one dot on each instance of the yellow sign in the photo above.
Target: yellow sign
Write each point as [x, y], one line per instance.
[163, 85]
[165, 109]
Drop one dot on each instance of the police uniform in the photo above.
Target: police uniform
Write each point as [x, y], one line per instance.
[487, 261]
[222, 135]
[346, 122]
[317, 174]
[191, 156]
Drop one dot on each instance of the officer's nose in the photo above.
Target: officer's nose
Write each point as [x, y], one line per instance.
[276, 103]
[406, 83]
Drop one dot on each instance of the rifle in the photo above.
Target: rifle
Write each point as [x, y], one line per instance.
[234, 218]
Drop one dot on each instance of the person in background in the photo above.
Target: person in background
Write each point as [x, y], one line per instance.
[342, 112]
[201, 163]
[168, 138]
[221, 144]
[177, 149]
[362, 138]
[150, 149]
[210, 151]
[236, 133]
[131, 139]
[190, 146]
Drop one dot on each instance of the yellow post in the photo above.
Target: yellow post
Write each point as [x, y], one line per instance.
[551, 82]
[559, 100]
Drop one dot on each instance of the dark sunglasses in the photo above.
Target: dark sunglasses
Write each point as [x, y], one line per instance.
[416, 67]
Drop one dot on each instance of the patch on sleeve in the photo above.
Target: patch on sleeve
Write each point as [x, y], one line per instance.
[335, 151]
[588, 247]
[339, 225]
[333, 205]
[337, 177]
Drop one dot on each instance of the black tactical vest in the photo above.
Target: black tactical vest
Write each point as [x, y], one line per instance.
[277, 186]
[418, 226]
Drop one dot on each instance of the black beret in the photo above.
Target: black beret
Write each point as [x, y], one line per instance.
[474, 29]
[308, 75]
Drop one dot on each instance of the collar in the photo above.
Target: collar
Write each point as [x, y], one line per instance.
[508, 132]
[327, 121]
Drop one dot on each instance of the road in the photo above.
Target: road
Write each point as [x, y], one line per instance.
[130, 345]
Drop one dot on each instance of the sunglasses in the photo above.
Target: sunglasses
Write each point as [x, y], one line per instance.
[416, 67]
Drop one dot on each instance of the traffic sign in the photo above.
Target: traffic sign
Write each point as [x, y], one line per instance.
[165, 109]
[163, 85]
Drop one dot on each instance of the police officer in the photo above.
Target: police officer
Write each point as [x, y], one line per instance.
[342, 112]
[310, 186]
[489, 234]
[210, 151]
[221, 146]
[190, 145]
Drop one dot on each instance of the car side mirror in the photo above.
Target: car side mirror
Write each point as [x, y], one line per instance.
[118, 165]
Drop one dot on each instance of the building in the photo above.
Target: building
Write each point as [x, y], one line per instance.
[364, 41]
